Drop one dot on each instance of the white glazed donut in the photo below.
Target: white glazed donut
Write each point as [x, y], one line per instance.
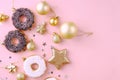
[51, 78]
[34, 60]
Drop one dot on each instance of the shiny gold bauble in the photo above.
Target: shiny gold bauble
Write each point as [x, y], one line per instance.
[20, 76]
[54, 21]
[68, 30]
[43, 8]
[3, 17]
[56, 38]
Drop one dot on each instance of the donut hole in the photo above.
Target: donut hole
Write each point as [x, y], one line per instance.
[15, 41]
[34, 66]
[22, 18]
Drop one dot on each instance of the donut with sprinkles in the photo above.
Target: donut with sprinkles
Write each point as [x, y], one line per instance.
[9, 41]
[23, 25]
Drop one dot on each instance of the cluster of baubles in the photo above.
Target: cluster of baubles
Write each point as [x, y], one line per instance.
[68, 30]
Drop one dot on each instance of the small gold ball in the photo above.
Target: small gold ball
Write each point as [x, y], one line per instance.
[54, 21]
[43, 8]
[68, 30]
[20, 76]
[3, 17]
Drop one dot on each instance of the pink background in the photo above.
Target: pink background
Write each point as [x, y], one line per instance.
[92, 58]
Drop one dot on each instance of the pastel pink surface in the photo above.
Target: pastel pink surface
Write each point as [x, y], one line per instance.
[92, 58]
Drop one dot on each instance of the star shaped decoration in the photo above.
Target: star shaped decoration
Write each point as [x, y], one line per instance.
[58, 58]
[12, 68]
[41, 28]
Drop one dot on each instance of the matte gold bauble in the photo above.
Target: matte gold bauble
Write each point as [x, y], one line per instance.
[31, 45]
[43, 8]
[68, 30]
[56, 38]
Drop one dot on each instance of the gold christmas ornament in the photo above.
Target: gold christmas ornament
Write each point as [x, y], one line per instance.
[58, 58]
[68, 30]
[54, 21]
[12, 68]
[3, 17]
[43, 8]
[51, 78]
[31, 45]
[20, 76]
[56, 38]
[41, 28]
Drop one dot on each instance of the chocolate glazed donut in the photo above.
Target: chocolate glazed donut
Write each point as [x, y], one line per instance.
[29, 19]
[15, 47]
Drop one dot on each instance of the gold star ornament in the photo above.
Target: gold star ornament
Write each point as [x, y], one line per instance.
[12, 68]
[58, 58]
[41, 28]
